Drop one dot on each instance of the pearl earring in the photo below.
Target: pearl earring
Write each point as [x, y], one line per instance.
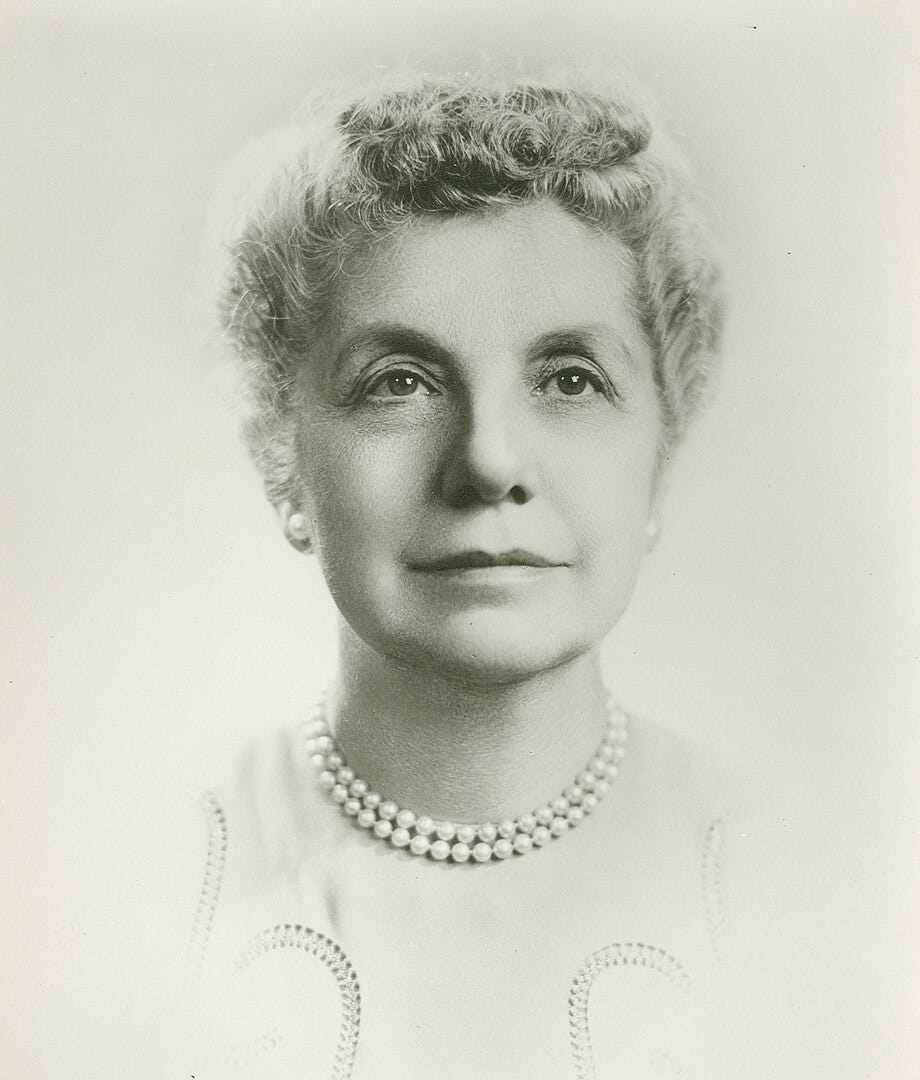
[297, 526]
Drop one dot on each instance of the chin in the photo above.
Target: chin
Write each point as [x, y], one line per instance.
[486, 650]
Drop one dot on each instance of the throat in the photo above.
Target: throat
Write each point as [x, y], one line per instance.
[467, 754]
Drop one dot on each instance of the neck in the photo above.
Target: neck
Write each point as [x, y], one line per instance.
[466, 752]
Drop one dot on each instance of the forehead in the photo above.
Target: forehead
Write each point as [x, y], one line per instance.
[504, 274]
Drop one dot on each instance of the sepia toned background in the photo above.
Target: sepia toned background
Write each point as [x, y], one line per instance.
[152, 616]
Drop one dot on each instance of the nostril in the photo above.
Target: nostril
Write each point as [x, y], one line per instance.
[485, 466]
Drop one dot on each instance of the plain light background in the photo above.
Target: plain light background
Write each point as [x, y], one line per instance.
[152, 615]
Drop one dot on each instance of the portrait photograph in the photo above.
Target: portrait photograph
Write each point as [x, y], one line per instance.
[460, 473]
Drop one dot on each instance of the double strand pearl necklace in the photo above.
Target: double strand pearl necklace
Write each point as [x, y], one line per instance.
[439, 840]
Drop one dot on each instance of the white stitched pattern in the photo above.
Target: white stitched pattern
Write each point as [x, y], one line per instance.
[213, 876]
[242, 1056]
[712, 886]
[617, 955]
[329, 953]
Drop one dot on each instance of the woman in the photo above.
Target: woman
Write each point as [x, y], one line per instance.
[475, 317]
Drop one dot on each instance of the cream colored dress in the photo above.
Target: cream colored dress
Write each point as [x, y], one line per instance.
[658, 939]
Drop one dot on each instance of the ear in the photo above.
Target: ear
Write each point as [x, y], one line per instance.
[296, 526]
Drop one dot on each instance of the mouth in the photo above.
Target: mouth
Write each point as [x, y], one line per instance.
[484, 560]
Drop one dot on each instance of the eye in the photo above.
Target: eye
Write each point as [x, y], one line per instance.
[398, 383]
[572, 382]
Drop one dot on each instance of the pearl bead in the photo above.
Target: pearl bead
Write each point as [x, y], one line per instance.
[607, 752]
[311, 746]
[541, 835]
[522, 843]
[373, 799]
[460, 852]
[482, 852]
[611, 771]
[544, 815]
[526, 823]
[507, 829]
[419, 845]
[590, 803]
[334, 761]
[339, 793]
[447, 830]
[587, 780]
[366, 818]
[399, 837]
[487, 833]
[383, 829]
[575, 815]
[619, 753]
[466, 834]
[358, 788]
[317, 760]
[345, 775]
[596, 765]
[425, 825]
[502, 848]
[558, 826]
[352, 807]
[406, 818]
[601, 788]
[440, 849]
[324, 744]
[326, 780]
[560, 806]
[388, 809]
[574, 794]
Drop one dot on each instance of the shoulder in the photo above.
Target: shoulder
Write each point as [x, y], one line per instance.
[776, 873]
[678, 782]
[745, 836]
[262, 814]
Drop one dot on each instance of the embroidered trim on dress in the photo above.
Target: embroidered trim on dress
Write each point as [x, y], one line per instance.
[213, 877]
[617, 955]
[711, 867]
[242, 1056]
[329, 953]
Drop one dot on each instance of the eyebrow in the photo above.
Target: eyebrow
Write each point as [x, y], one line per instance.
[392, 335]
[596, 338]
[398, 336]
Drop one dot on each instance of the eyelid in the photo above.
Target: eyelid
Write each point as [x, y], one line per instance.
[568, 360]
[366, 383]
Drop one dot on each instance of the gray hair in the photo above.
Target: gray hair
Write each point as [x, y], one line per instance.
[368, 164]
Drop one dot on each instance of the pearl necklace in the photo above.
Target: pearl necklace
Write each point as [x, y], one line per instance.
[422, 835]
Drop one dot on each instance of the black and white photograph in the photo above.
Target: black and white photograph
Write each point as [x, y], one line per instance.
[460, 606]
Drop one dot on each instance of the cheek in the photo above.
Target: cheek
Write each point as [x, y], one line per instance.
[359, 493]
[613, 540]
[603, 489]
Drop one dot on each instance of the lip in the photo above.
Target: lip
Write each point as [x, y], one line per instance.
[484, 560]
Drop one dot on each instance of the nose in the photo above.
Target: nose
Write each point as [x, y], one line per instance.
[488, 460]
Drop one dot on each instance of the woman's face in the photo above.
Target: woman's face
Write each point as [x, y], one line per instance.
[477, 442]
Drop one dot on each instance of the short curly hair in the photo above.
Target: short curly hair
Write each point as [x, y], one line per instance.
[427, 145]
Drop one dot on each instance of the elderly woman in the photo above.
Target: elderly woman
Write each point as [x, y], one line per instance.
[475, 316]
